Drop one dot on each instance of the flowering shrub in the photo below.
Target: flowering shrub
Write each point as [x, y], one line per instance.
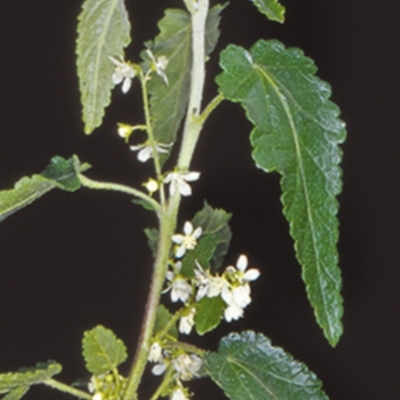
[296, 132]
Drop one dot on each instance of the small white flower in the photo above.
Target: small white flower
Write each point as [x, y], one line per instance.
[159, 65]
[178, 394]
[188, 241]
[178, 182]
[159, 368]
[186, 322]
[97, 396]
[180, 288]
[151, 185]
[155, 353]
[208, 285]
[123, 72]
[125, 130]
[145, 150]
[243, 275]
[187, 366]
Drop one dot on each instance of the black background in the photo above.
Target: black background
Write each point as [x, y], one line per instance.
[69, 262]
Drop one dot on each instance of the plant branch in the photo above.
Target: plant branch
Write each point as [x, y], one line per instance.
[157, 165]
[67, 389]
[193, 125]
[116, 187]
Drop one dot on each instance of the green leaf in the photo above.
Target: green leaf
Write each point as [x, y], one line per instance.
[104, 30]
[26, 377]
[202, 253]
[248, 367]
[60, 173]
[272, 9]
[215, 221]
[162, 319]
[152, 239]
[296, 132]
[208, 314]
[102, 350]
[168, 103]
[16, 393]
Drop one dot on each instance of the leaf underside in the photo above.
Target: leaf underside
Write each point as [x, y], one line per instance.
[248, 367]
[168, 102]
[102, 350]
[272, 9]
[296, 133]
[60, 173]
[103, 31]
[17, 383]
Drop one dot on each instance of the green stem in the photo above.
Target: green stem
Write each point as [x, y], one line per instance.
[67, 389]
[168, 214]
[193, 124]
[150, 132]
[214, 103]
[168, 378]
[167, 229]
[119, 188]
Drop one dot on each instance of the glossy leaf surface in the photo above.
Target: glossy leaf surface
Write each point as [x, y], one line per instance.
[17, 381]
[60, 173]
[248, 367]
[168, 102]
[102, 350]
[104, 30]
[296, 133]
[272, 9]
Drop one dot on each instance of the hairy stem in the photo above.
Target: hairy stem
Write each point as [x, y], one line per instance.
[116, 187]
[168, 213]
[193, 124]
[67, 389]
[167, 228]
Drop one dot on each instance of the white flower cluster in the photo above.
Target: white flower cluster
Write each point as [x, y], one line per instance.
[232, 286]
[184, 366]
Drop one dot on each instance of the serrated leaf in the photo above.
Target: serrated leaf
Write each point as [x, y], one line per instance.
[202, 253]
[162, 319]
[60, 173]
[215, 221]
[272, 9]
[102, 350]
[248, 367]
[168, 103]
[28, 376]
[16, 394]
[208, 314]
[296, 132]
[103, 31]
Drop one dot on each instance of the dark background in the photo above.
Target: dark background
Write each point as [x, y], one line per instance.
[69, 262]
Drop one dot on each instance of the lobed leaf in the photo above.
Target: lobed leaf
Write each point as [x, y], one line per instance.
[18, 381]
[248, 367]
[272, 9]
[103, 31]
[296, 132]
[168, 103]
[102, 350]
[215, 221]
[60, 173]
